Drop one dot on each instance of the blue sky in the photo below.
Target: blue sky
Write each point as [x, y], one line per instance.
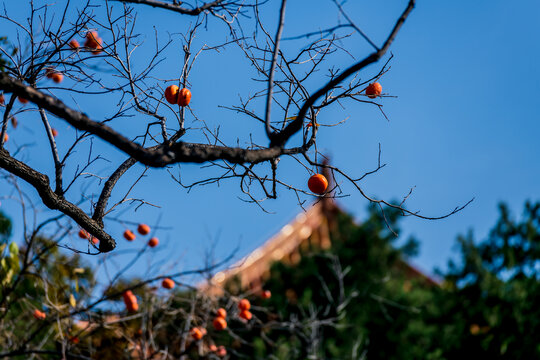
[464, 124]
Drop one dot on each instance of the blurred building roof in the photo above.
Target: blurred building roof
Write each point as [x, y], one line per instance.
[309, 229]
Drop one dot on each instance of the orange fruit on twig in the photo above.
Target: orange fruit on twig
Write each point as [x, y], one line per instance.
[196, 333]
[266, 294]
[153, 242]
[143, 229]
[244, 304]
[130, 300]
[167, 283]
[221, 351]
[171, 94]
[49, 72]
[83, 234]
[74, 44]
[245, 314]
[219, 323]
[184, 97]
[373, 90]
[40, 315]
[129, 235]
[221, 313]
[318, 184]
[57, 77]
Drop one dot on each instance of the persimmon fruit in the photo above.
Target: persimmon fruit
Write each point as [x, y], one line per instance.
[98, 49]
[373, 90]
[244, 304]
[129, 235]
[221, 351]
[171, 94]
[6, 138]
[49, 73]
[23, 100]
[167, 283]
[40, 315]
[318, 184]
[245, 314]
[54, 132]
[266, 294]
[153, 242]
[57, 77]
[219, 323]
[131, 301]
[94, 42]
[74, 44]
[2, 100]
[184, 97]
[143, 229]
[83, 234]
[221, 312]
[196, 333]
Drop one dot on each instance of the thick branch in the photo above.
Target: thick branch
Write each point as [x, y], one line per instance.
[157, 156]
[53, 201]
[175, 7]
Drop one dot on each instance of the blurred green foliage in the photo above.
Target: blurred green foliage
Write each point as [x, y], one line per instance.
[485, 307]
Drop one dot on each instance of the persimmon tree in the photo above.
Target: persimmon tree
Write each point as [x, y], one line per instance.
[55, 305]
[63, 55]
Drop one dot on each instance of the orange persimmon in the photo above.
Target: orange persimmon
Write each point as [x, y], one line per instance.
[221, 351]
[57, 77]
[373, 90]
[171, 94]
[49, 72]
[143, 229]
[131, 301]
[184, 97]
[221, 312]
[244, 304]
[318, 184]
[129, 235]
[74, 44]
[196, 333]
[83, 234]
[167, 283]
[245, 314]
[40, 315]
[266, 294]
[219, 323]
[153, 242]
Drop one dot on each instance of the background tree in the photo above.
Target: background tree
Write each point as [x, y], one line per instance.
[484, 306]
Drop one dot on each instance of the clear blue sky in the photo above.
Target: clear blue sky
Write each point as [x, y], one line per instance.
[464, 124]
